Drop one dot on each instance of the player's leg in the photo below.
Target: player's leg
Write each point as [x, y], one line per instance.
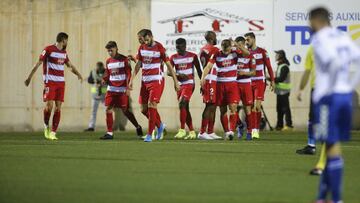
[47, 113]
[310, 148]
[257, 118]
[55, 120]
[233, 119]
[189, 123]
[320, 165]
[224, 120]
[183, 116]
[152, 109]
[110, 102]
[124, 99]
[249, 121]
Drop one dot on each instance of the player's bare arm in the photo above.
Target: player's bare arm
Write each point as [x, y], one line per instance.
[304, 80]
[173, 74]
[74, 70]
[206, 72]
[136, 71]
[252, 72]
[197, 66]
[34, 69]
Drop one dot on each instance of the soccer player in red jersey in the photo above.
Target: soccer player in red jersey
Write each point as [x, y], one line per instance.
[208, 89]
[227, 88]
[117, 76]
[151, 56]
[258, 81]
[246, 69]
[53, 58]
[184, 62]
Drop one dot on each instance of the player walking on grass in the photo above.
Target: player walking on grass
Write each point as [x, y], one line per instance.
[246, 70]
[53, 58]
[184, 62]
[117, 76]
[151, 56]
[258, 81]
[310, 148]
[334, 51]
[208, 89]
[227, 88]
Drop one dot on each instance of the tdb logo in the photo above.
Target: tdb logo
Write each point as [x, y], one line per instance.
[305, 33]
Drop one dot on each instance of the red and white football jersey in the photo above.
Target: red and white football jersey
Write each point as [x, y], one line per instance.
[205, 54]
[117, 73]
[262, 59]
[184, 64]
[152, 58]
[245, 64]
[54, 60]
[226, 65]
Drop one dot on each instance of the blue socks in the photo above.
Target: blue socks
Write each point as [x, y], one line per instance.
[311, 137]
[331, 179]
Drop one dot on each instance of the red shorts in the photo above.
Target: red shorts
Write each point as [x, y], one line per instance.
[54, 92]
[185, 92]
[151, 91]
[117, 100]
[258, 88]
[227, 93]
[246, 94]
[209, 92]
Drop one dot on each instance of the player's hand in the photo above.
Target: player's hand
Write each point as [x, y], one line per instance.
[127, 92]
[80, 78]
[27, 82]
[177, 86]
[202, 82]
[272, 86]
[103, 82]
[131, 58]
[299, 95]
[130, 85]
[182, 77]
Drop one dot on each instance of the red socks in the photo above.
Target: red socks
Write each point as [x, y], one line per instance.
[189, 121]
[183, 115]
[249, 122]
[258, 118]
[46, 117]
[153, 116]
[204, 124]
[55, 121]
[233, 121]
[109, 121]
[225, 122]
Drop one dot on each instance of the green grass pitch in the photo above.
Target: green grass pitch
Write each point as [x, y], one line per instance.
[81, 168]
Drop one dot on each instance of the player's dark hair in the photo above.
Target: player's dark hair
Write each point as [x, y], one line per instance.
[240, 39]
[226, 43]
[250, 34]
[111, 44]
[320, 13]
[61, 36]
[209, 35]
[180, 41]
[145, 32]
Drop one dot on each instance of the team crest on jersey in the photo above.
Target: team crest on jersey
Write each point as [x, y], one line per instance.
[61, 61]
[227, 63]
[147, 59]
[182, 65]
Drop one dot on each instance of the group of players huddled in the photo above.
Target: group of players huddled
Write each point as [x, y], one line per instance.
[232, 73]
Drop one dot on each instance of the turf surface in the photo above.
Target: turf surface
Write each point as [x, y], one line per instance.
[80, 168]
